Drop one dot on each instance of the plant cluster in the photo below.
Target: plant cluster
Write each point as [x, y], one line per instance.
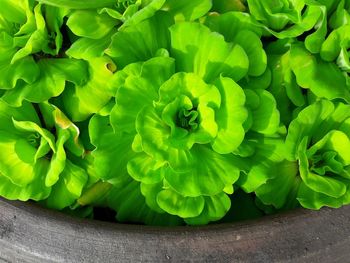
[175, 112]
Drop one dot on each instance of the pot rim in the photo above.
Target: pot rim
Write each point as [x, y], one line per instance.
[32, 233]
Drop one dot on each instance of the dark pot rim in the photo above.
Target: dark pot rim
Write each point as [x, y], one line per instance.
[29, 233]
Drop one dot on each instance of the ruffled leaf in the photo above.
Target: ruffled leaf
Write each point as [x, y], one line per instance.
[51, 83]
[130, 205]
[90, 24]
[145, 169]
[261, 156]
[240, 29]
[215, 207]
[210, 173]
[176, 204]
[87, 48]
[197, 49]
[35, 190]
[17, 159]
[314, 122]
[139, 84]
[68, 188]
[108, 145]
[318, 76]
[314, 200]
[147, 38]
[84, 99]
[282, 188]
[184, 10]
[230, 116]
[265, 117]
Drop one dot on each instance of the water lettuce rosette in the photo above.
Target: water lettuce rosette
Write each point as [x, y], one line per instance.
[155, 39]
[292, 18]
[315, 171]
[36, 142]
[179, 115]
[31, 66]
[319, 140]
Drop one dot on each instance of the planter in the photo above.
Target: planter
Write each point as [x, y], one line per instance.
[29, 233]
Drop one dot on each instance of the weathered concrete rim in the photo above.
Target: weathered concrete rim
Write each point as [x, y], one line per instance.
[29, 233]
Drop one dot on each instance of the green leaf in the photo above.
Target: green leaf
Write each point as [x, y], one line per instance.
[215, 208]
[280, 189]
[24, 113]
[263, 111]
[208, 172]
[335, 41]
[35, 190]
[241, 30]
[314, 200]
[90, 24]
[314, 122]
[261, 162]
[130, 205]
[318, 76]
[197, 49]
[108, 145]
[148, 9]
[328, 185]
[139, 85]
[341, 16]
[261, 82]
[314, 41]
[145, 169]
[14, 11]
[276, 14]
[147, 38]
[95, 194]
[252, 45]
[38, 38]
[25, 69]
[150, 192]
[284, 87]
[335, 141]
[230, 24]
[87, 48]
[79, 4]
[189, 11]
[286, 19]
[54, 18]
[54, 73]
[230, 116]
[17, 159]
[186, 92]
[176, 204]
[60, 122]
[58, 160]
[84, 99]
[68, 188]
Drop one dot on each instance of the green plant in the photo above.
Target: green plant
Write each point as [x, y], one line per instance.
[170, 111]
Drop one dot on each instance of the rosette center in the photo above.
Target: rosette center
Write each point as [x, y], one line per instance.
[122, 5]
[187, 119]
[34, 139]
